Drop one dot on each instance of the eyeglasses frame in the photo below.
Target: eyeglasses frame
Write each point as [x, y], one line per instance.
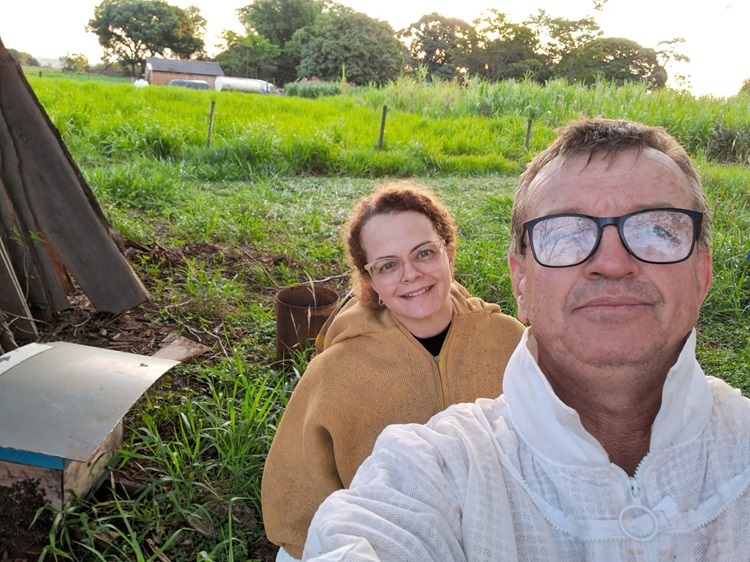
[440, 242]
[601, 222]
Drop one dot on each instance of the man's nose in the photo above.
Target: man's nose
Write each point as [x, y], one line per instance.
[611, 257]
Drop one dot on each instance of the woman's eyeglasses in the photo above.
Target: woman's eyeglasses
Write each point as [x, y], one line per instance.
[426, 258]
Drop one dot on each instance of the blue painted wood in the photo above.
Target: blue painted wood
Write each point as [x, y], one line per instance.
[33, 459]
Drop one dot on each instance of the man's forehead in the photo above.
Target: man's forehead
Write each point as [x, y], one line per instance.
[602, 165]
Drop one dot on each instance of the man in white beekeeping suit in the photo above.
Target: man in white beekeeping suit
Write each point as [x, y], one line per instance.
[609, 442]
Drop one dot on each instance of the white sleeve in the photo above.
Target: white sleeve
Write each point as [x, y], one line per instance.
[401, 506]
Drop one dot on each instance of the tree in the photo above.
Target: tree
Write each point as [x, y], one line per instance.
[668, 55]
[503, 50]
[277, 21]
[561, 40]
[77, 62]
[364, 49]
[24, 59]
[131, 30]
[185, 39]
[618, 61]
[438, 43]
[248, 56]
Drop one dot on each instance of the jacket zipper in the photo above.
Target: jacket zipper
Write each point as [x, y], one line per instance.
[635, 490]
[651, 548]
[443, 390]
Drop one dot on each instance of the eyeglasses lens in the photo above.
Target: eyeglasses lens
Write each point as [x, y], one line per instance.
[659, 236]
[563, 240]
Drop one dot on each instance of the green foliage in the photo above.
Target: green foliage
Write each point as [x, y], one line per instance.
[503, 50]
[253, 135]
[24, 59]
[75, 63]
[437, 43]
[365, 49]
[318, 38]
[561, 38]
[313, 89]
[616, 60]
[249, 56]
[277, 21]
[131, 30]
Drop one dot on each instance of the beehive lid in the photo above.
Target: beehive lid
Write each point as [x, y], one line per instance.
[61, 400]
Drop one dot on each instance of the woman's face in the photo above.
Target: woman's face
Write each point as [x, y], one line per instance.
[418, 293]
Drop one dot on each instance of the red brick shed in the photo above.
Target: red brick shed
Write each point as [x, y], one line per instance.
[162, 71]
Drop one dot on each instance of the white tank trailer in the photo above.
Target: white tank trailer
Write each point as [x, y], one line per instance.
[227, 83]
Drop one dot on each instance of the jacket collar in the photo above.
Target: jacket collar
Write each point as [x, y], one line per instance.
[354, 319]
[555, 432]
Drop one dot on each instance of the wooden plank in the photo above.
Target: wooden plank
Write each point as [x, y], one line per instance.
[181, 349]
[62, 204]
[16, 313]
[44, 296]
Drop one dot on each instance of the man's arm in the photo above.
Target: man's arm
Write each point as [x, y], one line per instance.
[402, 504]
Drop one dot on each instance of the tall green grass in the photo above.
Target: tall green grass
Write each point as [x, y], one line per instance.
[261, 208]
[433, 128]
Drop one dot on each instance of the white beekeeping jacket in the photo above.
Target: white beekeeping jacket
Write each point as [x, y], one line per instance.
[519, 479]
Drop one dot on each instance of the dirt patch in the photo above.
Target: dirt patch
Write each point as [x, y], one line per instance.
[19, 531]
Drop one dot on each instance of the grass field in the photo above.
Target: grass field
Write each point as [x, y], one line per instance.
[267, 192]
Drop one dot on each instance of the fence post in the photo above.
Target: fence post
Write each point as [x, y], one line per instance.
[382, 128]
[528, 134]
[210, 123]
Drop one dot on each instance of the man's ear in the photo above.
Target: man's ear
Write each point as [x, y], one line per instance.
[706, 276]
[517, 266]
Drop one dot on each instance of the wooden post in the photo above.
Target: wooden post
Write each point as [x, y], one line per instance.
[382, 128]
[210, 123]
[528, 134]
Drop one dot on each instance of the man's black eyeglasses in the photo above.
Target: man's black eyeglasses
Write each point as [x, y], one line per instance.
[663, 235]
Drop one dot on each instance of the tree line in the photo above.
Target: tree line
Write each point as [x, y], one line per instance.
[284, 40]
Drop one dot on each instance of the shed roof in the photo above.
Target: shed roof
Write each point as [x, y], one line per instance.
[185, 66]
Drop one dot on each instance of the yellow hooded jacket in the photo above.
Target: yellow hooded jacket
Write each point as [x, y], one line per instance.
[372, 373]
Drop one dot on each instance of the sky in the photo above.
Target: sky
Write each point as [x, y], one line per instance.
[715, 36]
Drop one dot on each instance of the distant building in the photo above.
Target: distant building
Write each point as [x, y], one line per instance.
[163, 71]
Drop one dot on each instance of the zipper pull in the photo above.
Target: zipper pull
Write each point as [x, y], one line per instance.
[635, 488]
